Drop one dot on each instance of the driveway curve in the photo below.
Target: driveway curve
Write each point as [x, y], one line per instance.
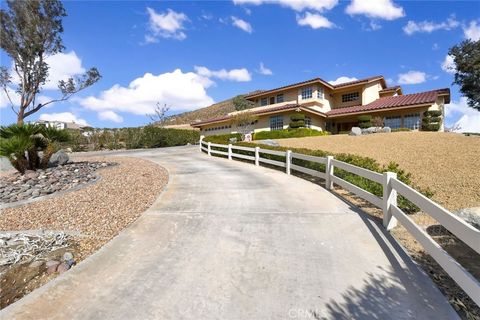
[228, 240]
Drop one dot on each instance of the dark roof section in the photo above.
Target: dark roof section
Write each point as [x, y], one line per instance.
[259, 112]
[394, 102]
[341, 85]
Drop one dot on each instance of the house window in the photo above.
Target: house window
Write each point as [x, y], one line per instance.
[272, 100]
[352, 96]
[306, 93]
[411, 121]
[393, 122]
[279, 98]
[276, 122]
[264, 102]
[320, 93]
[308, 122]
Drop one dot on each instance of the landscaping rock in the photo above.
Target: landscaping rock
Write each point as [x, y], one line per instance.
[356, 131]
[33, 184]
[52, 269]
[62, 267]
[67, 256]
[269, 142]
[58, 158]
[52, 263]
[470, 215]
[36, 264]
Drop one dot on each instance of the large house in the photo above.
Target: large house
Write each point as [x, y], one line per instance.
[334, 108]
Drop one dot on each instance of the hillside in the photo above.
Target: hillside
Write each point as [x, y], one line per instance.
[213, 111]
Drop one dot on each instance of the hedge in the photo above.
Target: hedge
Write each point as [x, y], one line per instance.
[223, 138]
[289, 133]
[360, 161]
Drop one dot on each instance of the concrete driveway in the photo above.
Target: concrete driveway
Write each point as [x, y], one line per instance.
[228, 240]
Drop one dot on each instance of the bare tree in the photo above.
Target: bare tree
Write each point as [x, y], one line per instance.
[31, 32]
[159, 115]
[244, 122]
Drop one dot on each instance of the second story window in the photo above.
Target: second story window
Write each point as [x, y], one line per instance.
[280, 98]
[352, 96]
[307, 93]
[320, 93]
[264, 102]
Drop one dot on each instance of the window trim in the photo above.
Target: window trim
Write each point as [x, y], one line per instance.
[278, 95]
[263, 104]
[350, 96]
[307, 93]
[276, 122]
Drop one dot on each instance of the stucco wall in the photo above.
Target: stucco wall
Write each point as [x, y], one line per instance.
[370, 92]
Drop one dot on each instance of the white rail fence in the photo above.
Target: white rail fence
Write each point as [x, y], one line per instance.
[388, 203]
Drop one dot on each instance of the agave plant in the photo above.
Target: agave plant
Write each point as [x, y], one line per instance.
[21, 145]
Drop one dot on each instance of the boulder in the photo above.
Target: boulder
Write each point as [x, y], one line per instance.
[470, 215]
[356, 131]
[387, 129]
[58, 158]
[67, 256]
[269, 142]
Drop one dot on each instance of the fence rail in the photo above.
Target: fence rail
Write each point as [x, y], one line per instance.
[388, 203]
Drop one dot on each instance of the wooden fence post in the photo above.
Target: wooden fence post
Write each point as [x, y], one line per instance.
[209, 148]
[288, 159]
[257, 156]
[230, 151]
[329, 173]
[389, 199]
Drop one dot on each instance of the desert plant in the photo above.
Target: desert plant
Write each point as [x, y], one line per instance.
[22, 144]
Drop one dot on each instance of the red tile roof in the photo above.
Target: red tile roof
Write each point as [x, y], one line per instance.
[341, 85]
[395, 88]
[259, 112]
[393, 102]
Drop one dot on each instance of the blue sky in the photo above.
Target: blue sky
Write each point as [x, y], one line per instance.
[190, 54]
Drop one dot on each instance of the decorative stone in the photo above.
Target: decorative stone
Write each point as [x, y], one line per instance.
[356, 131]
[30, 174]
[67, 256]
[58, 158]
[269, 142]
[36, 264]
[52, 263]
[62, 267]
[52, 269]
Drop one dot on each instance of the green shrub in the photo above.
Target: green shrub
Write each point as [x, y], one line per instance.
[288, 133]
[344, 132]
[360, 161]
[223, 138]
[297, 124]
[365, 121]
[297, 117]
[401, 129]
[431, 120]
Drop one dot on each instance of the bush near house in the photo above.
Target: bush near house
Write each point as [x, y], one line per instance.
[365, 121]
[289, 133]
[223, 138]
[360, 161]
[431, 120]
[298, 121]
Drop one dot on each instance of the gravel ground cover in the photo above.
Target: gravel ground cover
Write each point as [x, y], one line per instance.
[93, 214]
[446, 163]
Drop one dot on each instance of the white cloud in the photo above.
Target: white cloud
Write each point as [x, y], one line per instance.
[412, 77]
[381, 9]
[63, 117]
[342, 79]
[297, 5]
[242, 24]
[264, 70]
[448, 65]
[165, 25]
[110, 116]
[472, 31]
[468, 118]
[315, 21]
[428, 26]
[239, 75]
[374, 26]
[181, 91]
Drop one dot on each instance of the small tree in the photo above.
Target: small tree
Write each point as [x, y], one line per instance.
[240, 103]
[378, 122]
[365, 121]
[244, 122]
[298, 121]
[30, 32]
[466, 56]
[159, 115]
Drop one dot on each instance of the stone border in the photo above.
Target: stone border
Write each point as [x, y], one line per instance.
[59, 193]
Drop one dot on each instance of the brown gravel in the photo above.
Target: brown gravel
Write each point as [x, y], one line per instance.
[446, 163]
[100, 210]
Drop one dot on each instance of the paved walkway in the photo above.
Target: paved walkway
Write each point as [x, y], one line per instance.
[227, 240]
